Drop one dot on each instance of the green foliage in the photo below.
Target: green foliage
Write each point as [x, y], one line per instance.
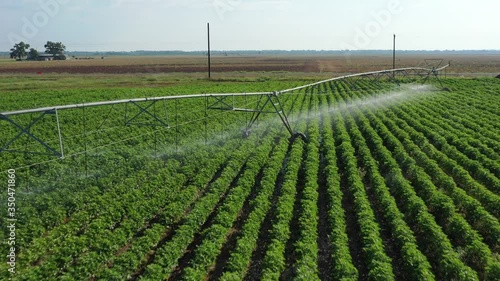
[33, 54]
[54, 48]
[421, 175]
[19, 50]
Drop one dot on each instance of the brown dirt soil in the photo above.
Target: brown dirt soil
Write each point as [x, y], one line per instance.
[307, 64]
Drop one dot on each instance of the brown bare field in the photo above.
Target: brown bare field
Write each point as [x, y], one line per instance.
[484, 65]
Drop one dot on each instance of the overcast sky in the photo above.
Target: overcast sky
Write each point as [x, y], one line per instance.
[126, 25]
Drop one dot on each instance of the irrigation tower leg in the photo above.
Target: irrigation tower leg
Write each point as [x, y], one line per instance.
[434, 73]
[278, 109]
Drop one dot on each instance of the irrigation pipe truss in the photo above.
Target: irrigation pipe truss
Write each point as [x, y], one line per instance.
[266, 99]
[94, 104]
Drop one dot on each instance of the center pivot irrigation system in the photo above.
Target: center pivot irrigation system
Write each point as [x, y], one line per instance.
[268, 102]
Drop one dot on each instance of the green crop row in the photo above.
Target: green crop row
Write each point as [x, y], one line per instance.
[484, 157]
[274, 262]
[306, 247]
[463, 179]
[166, 257]
[131, 255]
[477, 254]
[215, 236]
[415, 264]
[484, 222]
[392, 182]
[435, 244]
[378, 263]
[240, 259]
[343, 267]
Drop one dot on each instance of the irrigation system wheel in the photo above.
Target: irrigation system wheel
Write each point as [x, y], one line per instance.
[297, 135]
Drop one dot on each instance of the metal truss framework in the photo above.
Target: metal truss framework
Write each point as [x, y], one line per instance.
[268, 102]
[145, 110]
[26, 130]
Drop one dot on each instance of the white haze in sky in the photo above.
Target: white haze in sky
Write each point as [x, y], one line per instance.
[126, 25]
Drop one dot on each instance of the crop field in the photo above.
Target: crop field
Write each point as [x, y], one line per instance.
[190, 64]
[393, 182]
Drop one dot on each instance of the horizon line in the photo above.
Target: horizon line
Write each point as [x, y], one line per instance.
[279, 50]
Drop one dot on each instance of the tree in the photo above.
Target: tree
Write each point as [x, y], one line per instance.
[54, 48]
[33, 54]
[19, 50]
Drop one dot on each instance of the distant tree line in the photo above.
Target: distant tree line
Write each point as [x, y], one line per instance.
[20, 50]
[33, 53]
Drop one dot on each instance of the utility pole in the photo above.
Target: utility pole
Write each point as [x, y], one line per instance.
[394, 56]
[394, 53]
[209, 66]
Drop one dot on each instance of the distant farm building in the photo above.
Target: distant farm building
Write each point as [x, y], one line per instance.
[47, 57]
